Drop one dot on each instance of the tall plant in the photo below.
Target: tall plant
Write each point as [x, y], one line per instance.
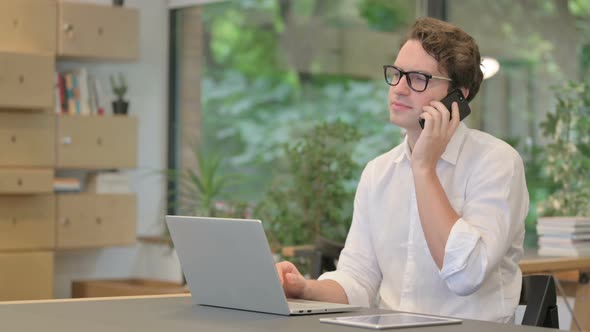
[311, 195]
[568, 151]
[205, 190]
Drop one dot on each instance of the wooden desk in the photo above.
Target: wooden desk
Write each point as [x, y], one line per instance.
[580, 289]
[539, 264]
[178, 313]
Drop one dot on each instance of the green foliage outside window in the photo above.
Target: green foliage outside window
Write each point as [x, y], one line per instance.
[568, 151]
[254, 105]
[539, 184]
[250, 119]
[299, 143]
[386, 15]
[579, 8]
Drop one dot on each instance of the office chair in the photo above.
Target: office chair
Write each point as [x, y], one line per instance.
[324, 256]
[539, 296]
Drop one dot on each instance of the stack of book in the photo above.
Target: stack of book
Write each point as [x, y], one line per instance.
[66, 185]
[564, 236]
[79, 93]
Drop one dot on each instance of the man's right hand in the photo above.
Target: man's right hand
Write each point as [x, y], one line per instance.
[293, 282]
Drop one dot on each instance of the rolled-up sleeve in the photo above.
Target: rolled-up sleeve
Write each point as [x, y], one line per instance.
[496, 204]
[358, 272]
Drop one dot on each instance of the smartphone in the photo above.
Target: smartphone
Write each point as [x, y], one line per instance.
[455, 95]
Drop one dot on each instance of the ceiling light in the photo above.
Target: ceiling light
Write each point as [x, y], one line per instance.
[489, 67]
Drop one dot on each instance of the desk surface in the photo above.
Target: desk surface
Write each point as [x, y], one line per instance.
[178, 313]
[533, 263]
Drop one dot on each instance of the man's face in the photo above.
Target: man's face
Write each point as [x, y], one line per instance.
[405, 104]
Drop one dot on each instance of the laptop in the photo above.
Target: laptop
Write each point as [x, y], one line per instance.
[227, 263]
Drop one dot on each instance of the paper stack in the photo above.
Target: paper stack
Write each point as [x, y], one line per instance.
[564, 236]
[108, 183]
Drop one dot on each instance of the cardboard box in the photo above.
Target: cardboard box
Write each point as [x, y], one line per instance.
[124, 287]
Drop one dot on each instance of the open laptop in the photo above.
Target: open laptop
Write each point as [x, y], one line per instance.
[227, 263]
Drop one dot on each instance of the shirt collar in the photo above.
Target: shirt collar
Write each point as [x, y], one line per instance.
[405, 151]
[451, 153]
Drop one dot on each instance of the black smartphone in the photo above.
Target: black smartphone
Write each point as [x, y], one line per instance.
[455, 95]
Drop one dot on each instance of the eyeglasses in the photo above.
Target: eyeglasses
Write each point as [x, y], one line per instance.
[417, 81]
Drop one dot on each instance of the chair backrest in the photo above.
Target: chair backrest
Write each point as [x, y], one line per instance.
[325, 254]
[539, 296]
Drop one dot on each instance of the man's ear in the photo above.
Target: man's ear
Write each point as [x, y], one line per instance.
[465, 92]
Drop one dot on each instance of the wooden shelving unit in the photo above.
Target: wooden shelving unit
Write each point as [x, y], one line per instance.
[36, 142]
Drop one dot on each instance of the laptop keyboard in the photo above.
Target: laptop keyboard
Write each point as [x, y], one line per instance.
[304, 304]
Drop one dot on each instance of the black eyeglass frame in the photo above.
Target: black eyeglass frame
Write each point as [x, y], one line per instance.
[406, 73]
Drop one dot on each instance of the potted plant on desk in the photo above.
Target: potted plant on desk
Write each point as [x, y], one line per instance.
[120, 105]
[565, 227]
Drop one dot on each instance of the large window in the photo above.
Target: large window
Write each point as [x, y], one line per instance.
[272, 70]
[536, 55]
[269, 71]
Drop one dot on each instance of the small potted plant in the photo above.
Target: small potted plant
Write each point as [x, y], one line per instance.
[119, 87]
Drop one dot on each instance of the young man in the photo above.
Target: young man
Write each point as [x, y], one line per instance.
[438, 223]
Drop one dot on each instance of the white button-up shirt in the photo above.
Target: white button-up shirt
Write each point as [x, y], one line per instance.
[386, 262]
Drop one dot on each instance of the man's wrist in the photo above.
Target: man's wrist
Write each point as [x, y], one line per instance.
[423, 171]
[307, 293]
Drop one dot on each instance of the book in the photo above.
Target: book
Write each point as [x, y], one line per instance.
[567, 236]
[92, 95]
[56, 91]
[561, 242]
[82, 75]
[564, 221]
[565, 251]
[76, 92]
[63, 98]
[66, 185]
[543, 230]
[101, 100]
[71, 104]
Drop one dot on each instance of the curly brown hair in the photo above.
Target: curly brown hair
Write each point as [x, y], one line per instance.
[456, 52]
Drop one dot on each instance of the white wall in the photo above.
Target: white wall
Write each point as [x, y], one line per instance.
[148, 85]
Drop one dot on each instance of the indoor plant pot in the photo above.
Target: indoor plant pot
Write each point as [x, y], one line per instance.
[120, 107]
